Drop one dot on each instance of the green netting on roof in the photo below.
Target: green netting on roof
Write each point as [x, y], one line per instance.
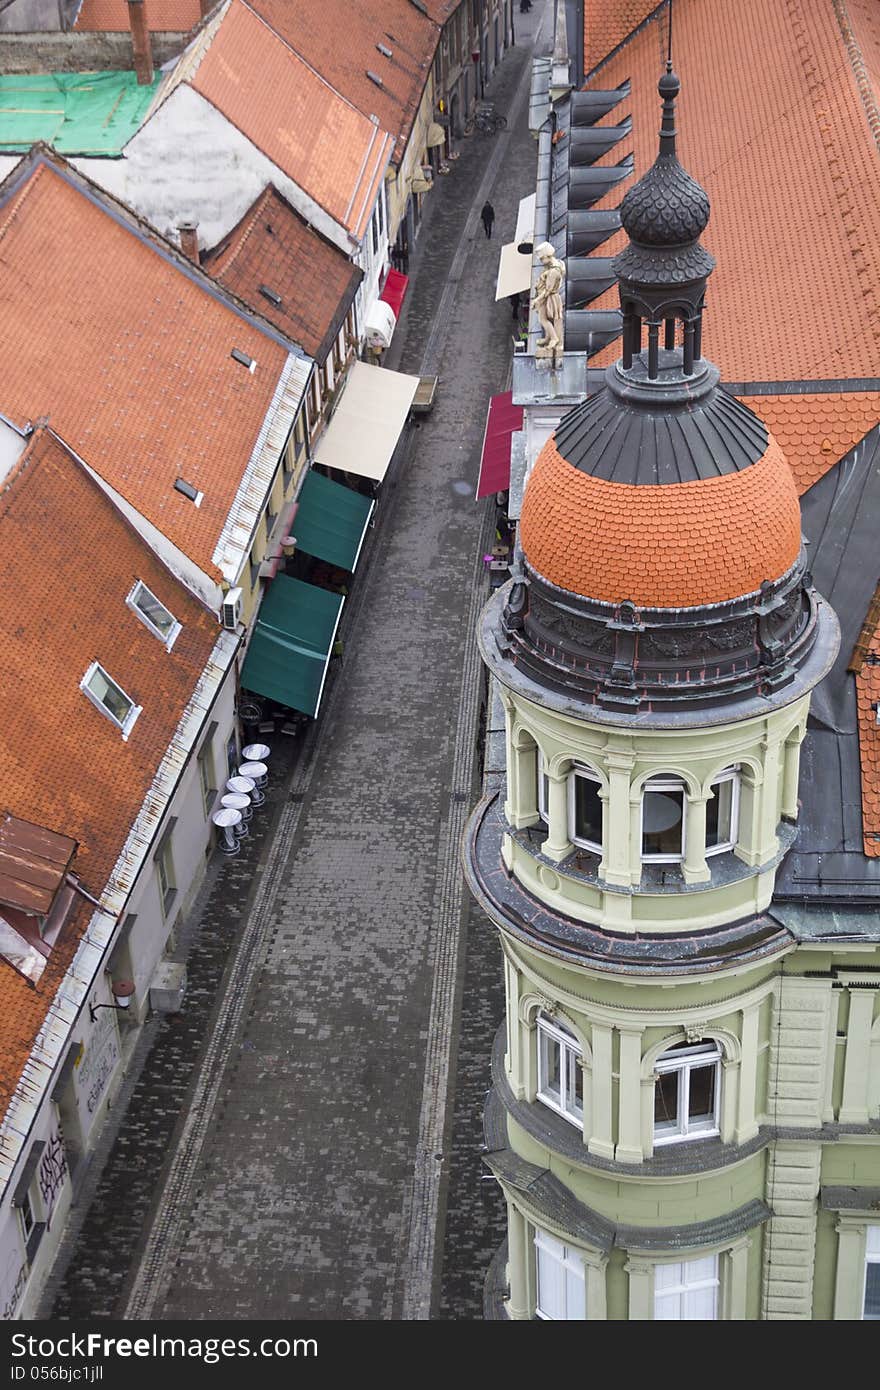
[287, 658]
[331, 521]
[74, 112]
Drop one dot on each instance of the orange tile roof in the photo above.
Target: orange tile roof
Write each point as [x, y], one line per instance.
[670, 546]
[814, 431]
[607, 23]
[867, 696]
[66, 765]
[163, 16]
[126, 348]
[314, 31]
[273, 246]
[774, 123]
[329, 149]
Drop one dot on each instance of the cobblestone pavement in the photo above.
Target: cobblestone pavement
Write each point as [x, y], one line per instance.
[265, 1167]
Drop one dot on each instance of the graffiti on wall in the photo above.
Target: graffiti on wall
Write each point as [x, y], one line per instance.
[95, 1067]
[52, 1172]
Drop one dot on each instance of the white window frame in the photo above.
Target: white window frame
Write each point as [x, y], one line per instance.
[684, 1061]
[570, 1263]
[663, 784]
[167, 639]
[570, 1056]
[688, 1284]
[872, 1257]
[730, 774]
[588, 775]
[128, 723]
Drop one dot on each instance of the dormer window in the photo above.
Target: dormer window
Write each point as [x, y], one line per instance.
[110, 698]
[153, 614]
[663, 821]
[722, 812]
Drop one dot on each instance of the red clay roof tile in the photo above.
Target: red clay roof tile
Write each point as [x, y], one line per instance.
[67, 766]
[672, 546]
[315, 31]
[170, 16]
[773, 123]
[127, 350]
[273, 246]
[332, 151]
[607, 23]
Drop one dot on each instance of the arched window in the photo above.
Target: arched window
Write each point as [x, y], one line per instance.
[585, 809]
[722, 812]
[663, 820]
[686, 1092]
[560, 1071]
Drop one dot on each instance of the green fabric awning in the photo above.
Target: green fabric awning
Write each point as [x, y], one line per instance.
[291, 645]
[331, 521]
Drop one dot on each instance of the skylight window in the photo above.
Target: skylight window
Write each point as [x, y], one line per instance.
[153, 614]
[271, 295]
[238, 356]
[110, 698]
[374, 77]
[384, 50]
[187, 489]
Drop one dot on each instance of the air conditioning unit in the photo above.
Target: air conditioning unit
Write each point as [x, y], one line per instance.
[232, 609]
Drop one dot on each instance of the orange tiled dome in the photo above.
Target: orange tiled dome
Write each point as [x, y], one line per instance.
[678, 545]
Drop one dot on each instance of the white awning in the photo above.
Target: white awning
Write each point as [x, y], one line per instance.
[525, 219]
[368, 421]
[514, 272]
[380, 324]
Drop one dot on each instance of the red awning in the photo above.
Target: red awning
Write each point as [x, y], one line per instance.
[394, 289]
[503, 420]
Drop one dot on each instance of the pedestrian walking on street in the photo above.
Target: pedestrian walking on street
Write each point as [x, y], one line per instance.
[488, 217]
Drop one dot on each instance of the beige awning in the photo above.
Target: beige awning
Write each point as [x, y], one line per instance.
[514, 272]
[368, 421]
[435, 136]
[525, 219]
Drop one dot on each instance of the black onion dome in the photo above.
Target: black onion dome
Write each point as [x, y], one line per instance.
[665, 213]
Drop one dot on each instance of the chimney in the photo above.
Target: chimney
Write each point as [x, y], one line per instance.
[188, 232]
[140, 42]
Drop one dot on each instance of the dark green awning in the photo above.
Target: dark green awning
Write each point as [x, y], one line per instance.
[331, 521]
[290, 648]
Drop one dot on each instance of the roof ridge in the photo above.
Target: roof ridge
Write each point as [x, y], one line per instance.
[15, 202]
[233, 245]
[817, 90]
[860, 71]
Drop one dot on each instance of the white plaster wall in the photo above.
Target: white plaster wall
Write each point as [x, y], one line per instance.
[21, 1287]
[190, 838]
[187, 162]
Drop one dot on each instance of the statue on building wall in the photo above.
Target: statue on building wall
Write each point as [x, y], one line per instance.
[547, 301]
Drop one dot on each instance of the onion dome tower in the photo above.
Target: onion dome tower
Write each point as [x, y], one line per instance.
[654, 654]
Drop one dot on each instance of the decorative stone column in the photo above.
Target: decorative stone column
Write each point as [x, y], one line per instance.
[854, 1102]
[601, 1141]
[521, 805]
[766, 842]
[791, 774]
[641, 1289]
[850, 1268]
[734, 1287]
[616, 865]
[746, 1120]
[517, 1257]
[629, 1094]
[557, 845]
[695, 869]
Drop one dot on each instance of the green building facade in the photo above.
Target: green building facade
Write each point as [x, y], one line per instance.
[685, 1111]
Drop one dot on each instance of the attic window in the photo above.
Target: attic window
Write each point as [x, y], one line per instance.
[187, 489]
[153, 614]
[238, 356]
[374, 77]
[272, 297]
[386, 52]
[110, 698]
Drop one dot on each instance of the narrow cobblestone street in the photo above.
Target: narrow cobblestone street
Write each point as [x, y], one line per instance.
[289, 1145]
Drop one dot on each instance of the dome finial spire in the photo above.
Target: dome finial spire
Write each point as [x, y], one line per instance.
[669, 87]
